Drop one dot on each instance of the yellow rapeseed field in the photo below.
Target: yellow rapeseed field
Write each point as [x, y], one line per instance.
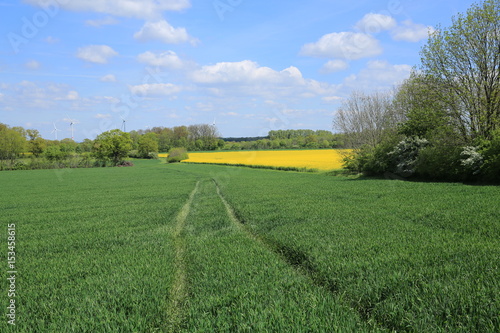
[324, 159]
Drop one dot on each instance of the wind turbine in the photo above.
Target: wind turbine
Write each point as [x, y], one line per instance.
[55, 130]
[72, 122]
[123, 124]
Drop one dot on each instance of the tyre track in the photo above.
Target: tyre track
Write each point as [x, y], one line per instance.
[249, 233]
[178, 292]
[297, 259]
[235, 221]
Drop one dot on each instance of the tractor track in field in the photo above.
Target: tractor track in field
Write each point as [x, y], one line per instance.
[295, 258]
[178, 292]
[300, 261]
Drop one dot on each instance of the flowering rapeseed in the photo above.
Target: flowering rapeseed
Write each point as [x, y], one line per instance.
[324, 159]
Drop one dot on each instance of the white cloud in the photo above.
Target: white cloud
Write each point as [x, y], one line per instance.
[168, 59]
[108, 78]
[243, 72]
[107, 99]
[102, 116]
[248, 78]
[32, 95]
[71, 95]
[206, 107]
[1, 97]
[100, 22]
[162, 31]
[374, 23]
[32, 64]
[155, 89]
[343, 45]
[378, 75]
[98, 54]
[411, 32]
[143, 9]
[335, 66]
[332, 99]
[271, 120]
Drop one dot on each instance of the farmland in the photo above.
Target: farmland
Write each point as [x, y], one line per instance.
[324, 159]
[201, 248]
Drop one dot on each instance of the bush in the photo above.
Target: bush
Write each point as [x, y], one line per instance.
[440, 163]
[125, 164]
[177, 154]
[19, 165]
[352, 161]
[471, 161]
[153, 156]
[405, 155]
[54, 153]
[372, 161]
[134, 154]
[490, 169]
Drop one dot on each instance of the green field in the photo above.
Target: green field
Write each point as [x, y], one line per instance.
[199, 248]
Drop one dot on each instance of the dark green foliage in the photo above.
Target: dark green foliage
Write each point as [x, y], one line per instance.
[176, 155]
[193, 137]
[490, 170]
[359, 160]
[373, 160]
[440, 163]
[418, 96]
[112, 146]
[12, 143]
[286, 139]
[36, 144]
[54, 153]
[148, 146]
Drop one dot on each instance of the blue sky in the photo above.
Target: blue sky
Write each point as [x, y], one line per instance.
[252, 66]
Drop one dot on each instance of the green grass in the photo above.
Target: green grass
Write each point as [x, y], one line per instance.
[237, 284]
[92, 247]
[407, 256]
[145, 249]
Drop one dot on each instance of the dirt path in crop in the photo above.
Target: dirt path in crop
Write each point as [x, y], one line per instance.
[178, 292]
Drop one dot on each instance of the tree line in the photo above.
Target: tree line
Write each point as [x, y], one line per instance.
[288, 139]
[199, 137]
[25, 148]
[443, 122]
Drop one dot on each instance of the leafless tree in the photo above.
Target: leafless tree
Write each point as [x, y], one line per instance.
[363, 118]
